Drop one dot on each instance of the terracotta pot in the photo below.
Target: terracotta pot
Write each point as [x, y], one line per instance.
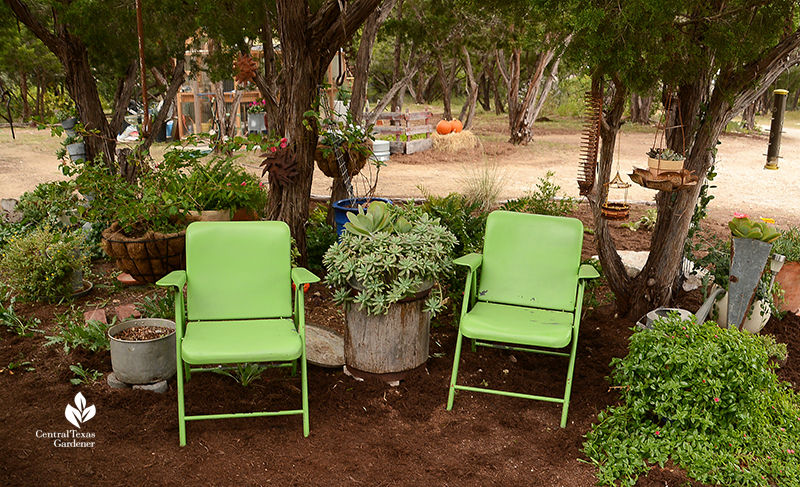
[789, 279]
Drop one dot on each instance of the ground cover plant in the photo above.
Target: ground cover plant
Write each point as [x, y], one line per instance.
[704, 397]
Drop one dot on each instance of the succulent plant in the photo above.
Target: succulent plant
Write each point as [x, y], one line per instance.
[741, 226]
[665, 154]
[387, 258]
[376, 218]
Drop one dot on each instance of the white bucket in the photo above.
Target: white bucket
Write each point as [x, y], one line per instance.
[380, 149]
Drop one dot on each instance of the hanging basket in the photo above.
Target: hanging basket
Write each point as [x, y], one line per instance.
[147, 258]
[615, 211]
[355, 161]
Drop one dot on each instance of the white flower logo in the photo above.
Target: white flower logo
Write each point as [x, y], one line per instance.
[81, 414]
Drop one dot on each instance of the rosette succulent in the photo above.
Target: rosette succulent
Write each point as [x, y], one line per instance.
[741, 226]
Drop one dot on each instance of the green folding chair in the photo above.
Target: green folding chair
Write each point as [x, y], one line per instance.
[238, 281]
[529, 296]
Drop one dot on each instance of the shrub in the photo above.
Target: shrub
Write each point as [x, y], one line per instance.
[40, 264]
[706, 398]
[544, 200]
[319, 236]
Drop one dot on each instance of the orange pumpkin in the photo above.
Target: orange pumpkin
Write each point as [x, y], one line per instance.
[444, 127]
[457, 126]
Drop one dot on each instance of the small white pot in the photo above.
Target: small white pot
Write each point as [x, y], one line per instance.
[755, 321]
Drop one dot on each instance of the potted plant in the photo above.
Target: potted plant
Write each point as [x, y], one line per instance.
[383, 270]
[256, 117]
[351, 140]
[44, 264]
[664, 160]
[147, 218]
[143, 349]
[720, 265]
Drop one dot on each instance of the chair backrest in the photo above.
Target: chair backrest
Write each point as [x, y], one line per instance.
[238, 270]
[531, 260]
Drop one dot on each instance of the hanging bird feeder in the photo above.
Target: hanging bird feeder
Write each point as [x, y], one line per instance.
[616, 210]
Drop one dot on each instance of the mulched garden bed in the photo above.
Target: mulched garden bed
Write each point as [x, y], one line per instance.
[362, 433]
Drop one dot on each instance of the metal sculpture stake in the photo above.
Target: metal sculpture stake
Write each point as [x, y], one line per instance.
[748, 260]
[590, 139]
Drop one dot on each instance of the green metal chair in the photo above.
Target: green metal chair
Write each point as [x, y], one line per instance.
[529, 296]
[238, 281]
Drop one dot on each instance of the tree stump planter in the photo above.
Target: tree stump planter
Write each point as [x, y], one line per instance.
[390, 345]
[147, 258]
[748, 260]
[143, 361]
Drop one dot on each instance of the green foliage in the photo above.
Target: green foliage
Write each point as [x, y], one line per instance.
[319, 237]
[166, 191]
[72, 332]
[544, 200]
[84, 376]
[591, 292]
[54, 204]
[348, 135]
[788, 245]
[664, 154]
[244, 374]
[20, 365]
[704, 397]
[157, 306]
[15, 323]
[743, 227]
[386, 267]
[376, 218]
[648, 220]
[40, 264]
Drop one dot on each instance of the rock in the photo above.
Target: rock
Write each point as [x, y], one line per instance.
[159, 387]
[126, 311]
[96, 315]
[115, 383]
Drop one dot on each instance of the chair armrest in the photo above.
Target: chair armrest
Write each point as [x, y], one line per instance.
[473, 261]
[588, 272]
[174, 278]
[301, 275]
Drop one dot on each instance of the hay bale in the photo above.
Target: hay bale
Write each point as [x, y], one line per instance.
[454, 141]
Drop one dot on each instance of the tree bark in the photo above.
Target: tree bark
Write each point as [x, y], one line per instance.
[472, 100]
[308, 43]
[74, 58]
[122, 97]
[23, 93]
[640, 108]
[364, 57]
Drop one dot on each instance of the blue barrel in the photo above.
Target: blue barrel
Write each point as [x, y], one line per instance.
[350, 205]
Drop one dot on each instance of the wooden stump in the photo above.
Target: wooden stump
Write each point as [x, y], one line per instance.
[387, 344]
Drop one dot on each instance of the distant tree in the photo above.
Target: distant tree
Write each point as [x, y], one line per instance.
[692, 49]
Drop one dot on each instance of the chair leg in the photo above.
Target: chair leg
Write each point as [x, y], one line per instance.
[568, 388]
[304, 393]
[181, 410]
[456, 358]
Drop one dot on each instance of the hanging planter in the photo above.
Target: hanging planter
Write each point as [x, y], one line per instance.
[146, 259]
[354, 158]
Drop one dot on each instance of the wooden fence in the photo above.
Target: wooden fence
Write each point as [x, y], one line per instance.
[409, 124]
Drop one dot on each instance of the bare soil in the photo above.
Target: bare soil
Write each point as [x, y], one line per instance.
[362, 433]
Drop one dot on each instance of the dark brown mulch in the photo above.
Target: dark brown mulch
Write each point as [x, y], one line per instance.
[362, 433]
[141, 333]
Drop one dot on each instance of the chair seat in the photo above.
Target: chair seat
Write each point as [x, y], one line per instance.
[241, 341]
[517, 324]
